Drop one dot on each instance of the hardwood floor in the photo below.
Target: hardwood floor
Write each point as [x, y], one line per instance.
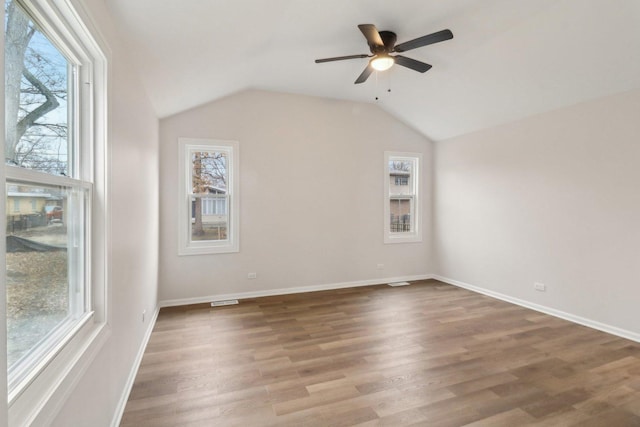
[428, 354]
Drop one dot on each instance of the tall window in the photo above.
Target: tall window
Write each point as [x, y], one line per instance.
[54, 73]
[208, 209]
[402, 197]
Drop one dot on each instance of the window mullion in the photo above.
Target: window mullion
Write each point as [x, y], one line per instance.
[15, 173]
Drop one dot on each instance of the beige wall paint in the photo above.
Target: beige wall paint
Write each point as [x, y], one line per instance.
[554, 198]
[311, 204]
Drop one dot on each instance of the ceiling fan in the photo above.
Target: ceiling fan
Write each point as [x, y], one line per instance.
[382, 43]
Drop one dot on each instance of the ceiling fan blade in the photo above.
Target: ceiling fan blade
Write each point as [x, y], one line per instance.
[371, 34]
[365, 74]
[440, 36]
[340, 58]
[418, 66]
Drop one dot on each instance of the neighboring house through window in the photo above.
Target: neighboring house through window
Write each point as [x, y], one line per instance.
[402, 179]
[214, 203]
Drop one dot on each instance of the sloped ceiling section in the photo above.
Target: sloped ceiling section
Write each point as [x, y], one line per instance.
[508, 59]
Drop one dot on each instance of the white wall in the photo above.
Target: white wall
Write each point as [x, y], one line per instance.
[554, 198]
[133, 212]
[311, 204]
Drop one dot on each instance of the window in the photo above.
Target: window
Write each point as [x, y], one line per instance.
[402, 197]
[402, 180]
[208, 210]
[55, 104]
[211, 205]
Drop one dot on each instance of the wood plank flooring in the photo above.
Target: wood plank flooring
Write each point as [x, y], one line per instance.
[429, 354]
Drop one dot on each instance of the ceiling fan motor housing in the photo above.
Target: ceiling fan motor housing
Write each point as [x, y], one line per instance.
[388, 39]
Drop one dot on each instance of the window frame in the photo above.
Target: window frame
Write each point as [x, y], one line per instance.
[232, 244]
[37, 396]
[415, 197]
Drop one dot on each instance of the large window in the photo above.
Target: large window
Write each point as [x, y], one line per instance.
[208, 209]
[54, 154]
[402, 197]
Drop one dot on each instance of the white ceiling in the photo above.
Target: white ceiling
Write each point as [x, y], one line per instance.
[508, 59]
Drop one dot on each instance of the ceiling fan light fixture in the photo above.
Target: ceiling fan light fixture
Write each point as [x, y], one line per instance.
[382, 62]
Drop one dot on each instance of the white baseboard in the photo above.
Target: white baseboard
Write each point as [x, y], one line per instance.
[122, 403]
[613, 330]
[286, 291]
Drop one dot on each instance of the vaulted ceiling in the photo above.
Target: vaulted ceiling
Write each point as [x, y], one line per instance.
[508, 59]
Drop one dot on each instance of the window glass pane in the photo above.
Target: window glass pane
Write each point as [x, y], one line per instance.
[209, 219]
[44, 258]
[36, 93]
[400, 212]
[209, 176]
[400, 180]
[209, 172]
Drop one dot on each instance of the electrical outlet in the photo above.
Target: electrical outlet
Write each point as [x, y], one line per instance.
[252, 276]
[539, 287]
[144, 312]
[380, 266]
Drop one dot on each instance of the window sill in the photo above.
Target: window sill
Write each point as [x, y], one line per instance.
[208, 250]
[40, 395]
[392, 239]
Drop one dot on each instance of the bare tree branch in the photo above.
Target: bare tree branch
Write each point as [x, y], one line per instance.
[35, 84]
[50, 104]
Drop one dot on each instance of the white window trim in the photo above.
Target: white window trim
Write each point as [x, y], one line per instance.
[41, 395]
[185, 245]
[4, 210]
[414, 236]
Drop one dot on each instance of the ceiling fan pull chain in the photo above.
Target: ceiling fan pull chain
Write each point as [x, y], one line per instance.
[376, 86]
[389, 83]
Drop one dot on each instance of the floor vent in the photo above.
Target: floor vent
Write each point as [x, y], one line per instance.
[399, 284]
[223, 303]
